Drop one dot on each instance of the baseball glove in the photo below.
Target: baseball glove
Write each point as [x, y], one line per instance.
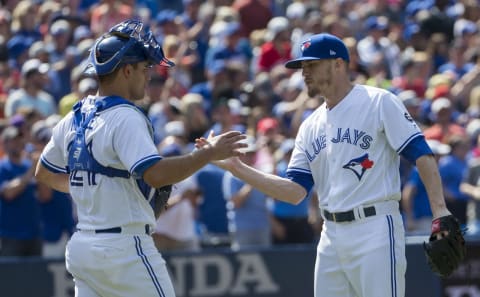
[444, 254]
[160, 200]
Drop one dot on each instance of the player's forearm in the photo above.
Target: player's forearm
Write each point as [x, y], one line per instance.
[428, 170]
[171, 170]
[273, 186]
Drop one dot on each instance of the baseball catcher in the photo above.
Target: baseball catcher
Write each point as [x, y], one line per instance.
[446, 247]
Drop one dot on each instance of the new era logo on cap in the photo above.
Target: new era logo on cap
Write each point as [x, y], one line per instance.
[320, 46]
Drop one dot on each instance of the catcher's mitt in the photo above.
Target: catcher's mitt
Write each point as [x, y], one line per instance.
[445, 254]
[160, 199]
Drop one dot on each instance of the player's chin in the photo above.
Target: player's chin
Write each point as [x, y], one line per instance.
[139, 96]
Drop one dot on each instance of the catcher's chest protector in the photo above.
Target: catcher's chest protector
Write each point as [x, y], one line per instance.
[80, 157]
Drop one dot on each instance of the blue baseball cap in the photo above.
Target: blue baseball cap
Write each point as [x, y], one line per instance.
[376, 23]
[165, 16]
[318, 47]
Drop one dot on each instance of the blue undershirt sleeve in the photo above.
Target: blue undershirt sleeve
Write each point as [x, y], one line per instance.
[415, 149]
[301, 178]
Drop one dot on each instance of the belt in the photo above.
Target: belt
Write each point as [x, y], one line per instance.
[348, 216]
[146, 230]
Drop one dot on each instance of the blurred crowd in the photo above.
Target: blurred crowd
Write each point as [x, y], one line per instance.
[230, 75]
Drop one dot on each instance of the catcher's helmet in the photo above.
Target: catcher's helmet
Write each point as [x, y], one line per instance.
[125, 43]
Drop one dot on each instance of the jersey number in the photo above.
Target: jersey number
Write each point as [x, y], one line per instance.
[76, 179]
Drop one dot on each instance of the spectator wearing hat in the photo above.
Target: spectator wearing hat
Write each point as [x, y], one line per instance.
[465, 30]
[217, 80]
[457, 65]
[165, 24]
[31, 93]
[226, 14]
[278, 48]
[63, 56]
[81, 33]
[20, 232]
[17, 49]
[57, 213]
[230, 47]
[415, 205]
[375, 48]
[41, 50]
[444, 127]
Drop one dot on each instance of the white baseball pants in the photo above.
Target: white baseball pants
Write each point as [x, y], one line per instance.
[363, 258]
[120, 265]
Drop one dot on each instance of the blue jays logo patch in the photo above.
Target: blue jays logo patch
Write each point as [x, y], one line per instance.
[359, 165]
[306, 44]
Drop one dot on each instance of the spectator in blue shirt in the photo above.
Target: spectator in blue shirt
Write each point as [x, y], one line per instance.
[56, 207]
[415, 205]
[20, 233]
[249, 218]
[452, 168]
[212, 210]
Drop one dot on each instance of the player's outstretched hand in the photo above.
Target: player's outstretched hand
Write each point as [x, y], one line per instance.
[224, 146]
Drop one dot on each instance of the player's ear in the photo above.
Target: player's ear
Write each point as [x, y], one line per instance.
[341, 63]
[126, 70]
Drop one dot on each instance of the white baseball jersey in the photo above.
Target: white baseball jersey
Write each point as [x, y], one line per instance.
[121, 137]
[350, 150]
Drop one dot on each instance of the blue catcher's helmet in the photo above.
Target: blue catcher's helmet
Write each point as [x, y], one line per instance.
[125, 43]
